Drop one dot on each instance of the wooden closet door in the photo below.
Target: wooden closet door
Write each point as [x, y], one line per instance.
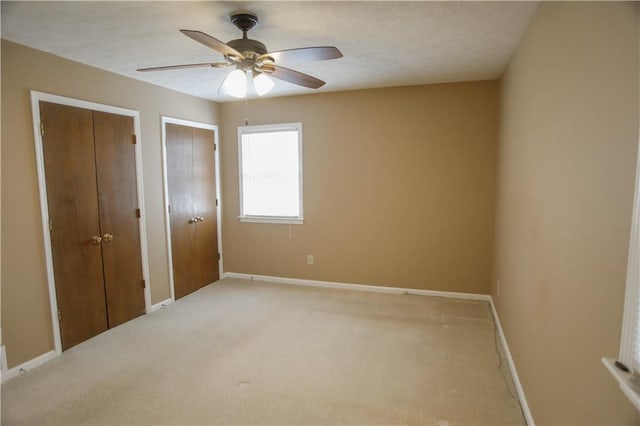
[204, 184]
[72, 199]
[192, 197]
[118, 202]
[180, 186]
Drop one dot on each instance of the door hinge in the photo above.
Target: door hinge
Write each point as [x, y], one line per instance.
[218, 256]
[41, 128]
[59, 315]
[134, 139]
[50, 226]
[169, 207]
[144, 284]
[216, 202]
[138, 213]
[215, 146]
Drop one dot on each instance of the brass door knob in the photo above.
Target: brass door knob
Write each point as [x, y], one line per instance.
[200, 218]
[193, 220]
[97, 239]
[107, 237]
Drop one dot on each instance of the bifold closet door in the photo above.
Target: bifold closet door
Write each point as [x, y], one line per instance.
[90, 176]
[192, 201]
[72, 197]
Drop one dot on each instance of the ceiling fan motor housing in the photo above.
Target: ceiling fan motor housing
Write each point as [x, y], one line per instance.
[243, 45]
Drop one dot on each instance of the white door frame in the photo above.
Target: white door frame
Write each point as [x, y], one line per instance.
[36, 97]
[167, 219]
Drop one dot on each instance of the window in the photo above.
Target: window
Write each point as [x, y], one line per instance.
[270, 173]
[630, 345]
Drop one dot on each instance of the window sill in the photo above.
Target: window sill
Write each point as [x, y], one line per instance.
[629, 386]
[272, 219]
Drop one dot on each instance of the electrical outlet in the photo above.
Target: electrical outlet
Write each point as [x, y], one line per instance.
[309, 259]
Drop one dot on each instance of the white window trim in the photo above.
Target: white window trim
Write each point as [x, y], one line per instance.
[630, 381]
[627, 381]
[243, 130]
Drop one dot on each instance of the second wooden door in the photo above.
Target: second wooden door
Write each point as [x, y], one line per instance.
[191, 182]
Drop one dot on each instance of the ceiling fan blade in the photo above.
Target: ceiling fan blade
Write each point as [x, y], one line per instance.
[303, 54]
[175, 67]
[295, 77]
[213, 43]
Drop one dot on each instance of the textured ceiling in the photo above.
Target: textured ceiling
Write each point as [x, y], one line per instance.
[384, 43]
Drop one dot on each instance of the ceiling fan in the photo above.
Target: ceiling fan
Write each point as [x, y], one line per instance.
[251, 58]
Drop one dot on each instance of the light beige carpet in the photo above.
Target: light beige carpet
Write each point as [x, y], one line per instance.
[242, 352]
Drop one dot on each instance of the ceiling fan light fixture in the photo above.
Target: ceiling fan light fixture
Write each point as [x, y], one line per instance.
[263, 84]
[235, 84]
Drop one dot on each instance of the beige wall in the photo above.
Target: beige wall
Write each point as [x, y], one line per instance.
[567, 161]
[398, 188]
[26, 324]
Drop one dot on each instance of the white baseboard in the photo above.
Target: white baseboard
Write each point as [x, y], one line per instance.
[358, 287]
[25, 367]
[161, 305]
[382, 289]
[512, 366]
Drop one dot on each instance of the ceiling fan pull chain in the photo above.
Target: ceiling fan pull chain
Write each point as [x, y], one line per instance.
[246, 111]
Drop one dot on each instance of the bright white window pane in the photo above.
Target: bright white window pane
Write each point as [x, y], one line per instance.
[270, 173]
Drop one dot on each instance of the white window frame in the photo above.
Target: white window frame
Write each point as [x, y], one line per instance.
[630, 337]
[268, 128]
